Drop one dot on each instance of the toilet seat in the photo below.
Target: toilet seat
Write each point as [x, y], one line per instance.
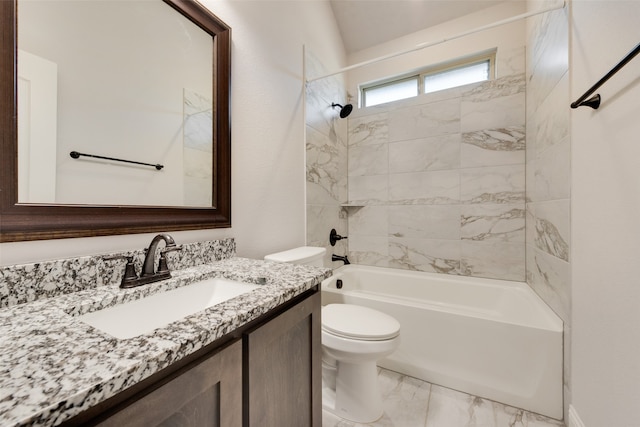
[358, 323]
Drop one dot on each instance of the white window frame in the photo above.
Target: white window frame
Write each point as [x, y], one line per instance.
[431, 70]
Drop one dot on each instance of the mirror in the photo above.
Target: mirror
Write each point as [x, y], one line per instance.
[93, 196]
[137, 91]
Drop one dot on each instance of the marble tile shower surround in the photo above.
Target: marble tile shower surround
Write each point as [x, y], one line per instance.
[441, 181]
[197, 148]
[326, 159]
[24, 283]
[548, 154]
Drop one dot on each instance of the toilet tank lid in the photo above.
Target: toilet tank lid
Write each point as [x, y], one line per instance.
[298, 255]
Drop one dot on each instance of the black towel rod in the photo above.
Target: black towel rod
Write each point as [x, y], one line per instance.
[76, 154]
[594, 101]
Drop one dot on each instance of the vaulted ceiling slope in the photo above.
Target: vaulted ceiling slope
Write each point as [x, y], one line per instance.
[366, 23]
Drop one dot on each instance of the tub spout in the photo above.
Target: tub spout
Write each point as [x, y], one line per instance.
[344, 259]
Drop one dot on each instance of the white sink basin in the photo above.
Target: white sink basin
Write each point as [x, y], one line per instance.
[144, 315]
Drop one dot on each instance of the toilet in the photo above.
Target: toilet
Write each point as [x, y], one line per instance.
[354, 338]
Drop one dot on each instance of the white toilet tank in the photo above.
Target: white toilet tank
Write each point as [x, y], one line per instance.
[308, 255]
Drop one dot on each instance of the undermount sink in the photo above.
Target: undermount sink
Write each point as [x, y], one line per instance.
[144, 315]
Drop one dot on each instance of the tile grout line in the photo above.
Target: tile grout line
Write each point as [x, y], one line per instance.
[426, 415]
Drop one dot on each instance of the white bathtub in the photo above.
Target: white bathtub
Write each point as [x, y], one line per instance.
[491, 338]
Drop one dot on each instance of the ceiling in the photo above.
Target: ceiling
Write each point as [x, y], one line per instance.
[366, 23]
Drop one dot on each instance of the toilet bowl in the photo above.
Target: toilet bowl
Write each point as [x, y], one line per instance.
[354, 338]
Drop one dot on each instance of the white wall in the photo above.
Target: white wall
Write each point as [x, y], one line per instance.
[505, 38]
[605, 208]
[268, 174]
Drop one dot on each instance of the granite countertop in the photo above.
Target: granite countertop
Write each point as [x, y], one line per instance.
[53, 366]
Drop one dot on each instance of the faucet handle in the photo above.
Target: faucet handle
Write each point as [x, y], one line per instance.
[334, 237]
[162, 262]
[130, 274]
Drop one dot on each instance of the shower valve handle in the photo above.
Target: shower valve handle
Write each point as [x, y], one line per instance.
[334, 237]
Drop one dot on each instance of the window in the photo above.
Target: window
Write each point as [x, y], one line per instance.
[431, 79]
[459, 76]
[393, 91]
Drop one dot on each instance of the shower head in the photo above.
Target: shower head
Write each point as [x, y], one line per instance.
[344, 111]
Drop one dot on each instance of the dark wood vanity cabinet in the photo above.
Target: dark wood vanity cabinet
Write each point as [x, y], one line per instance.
[207, 394]
[283, 369]
[265, 374]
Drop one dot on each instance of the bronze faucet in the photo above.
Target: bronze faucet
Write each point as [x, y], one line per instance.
[147, 266]
[148, 274]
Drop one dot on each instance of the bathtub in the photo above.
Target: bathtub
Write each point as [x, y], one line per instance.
[495, 339]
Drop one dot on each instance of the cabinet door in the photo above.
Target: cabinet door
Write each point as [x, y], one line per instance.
[283, 382]
[207, 393]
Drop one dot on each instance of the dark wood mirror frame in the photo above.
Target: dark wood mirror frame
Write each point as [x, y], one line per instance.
[20, 222]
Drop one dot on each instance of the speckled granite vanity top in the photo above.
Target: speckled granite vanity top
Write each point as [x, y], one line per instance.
[53, 366]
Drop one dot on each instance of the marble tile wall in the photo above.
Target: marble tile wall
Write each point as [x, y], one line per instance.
[441, 180]
[548, 167]
[326, 159]
[29, 282]
[197, 151]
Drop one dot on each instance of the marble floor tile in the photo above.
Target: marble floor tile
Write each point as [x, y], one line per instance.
[409, 402]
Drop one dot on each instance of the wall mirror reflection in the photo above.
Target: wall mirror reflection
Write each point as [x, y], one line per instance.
[119, 79]
[147, 81]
